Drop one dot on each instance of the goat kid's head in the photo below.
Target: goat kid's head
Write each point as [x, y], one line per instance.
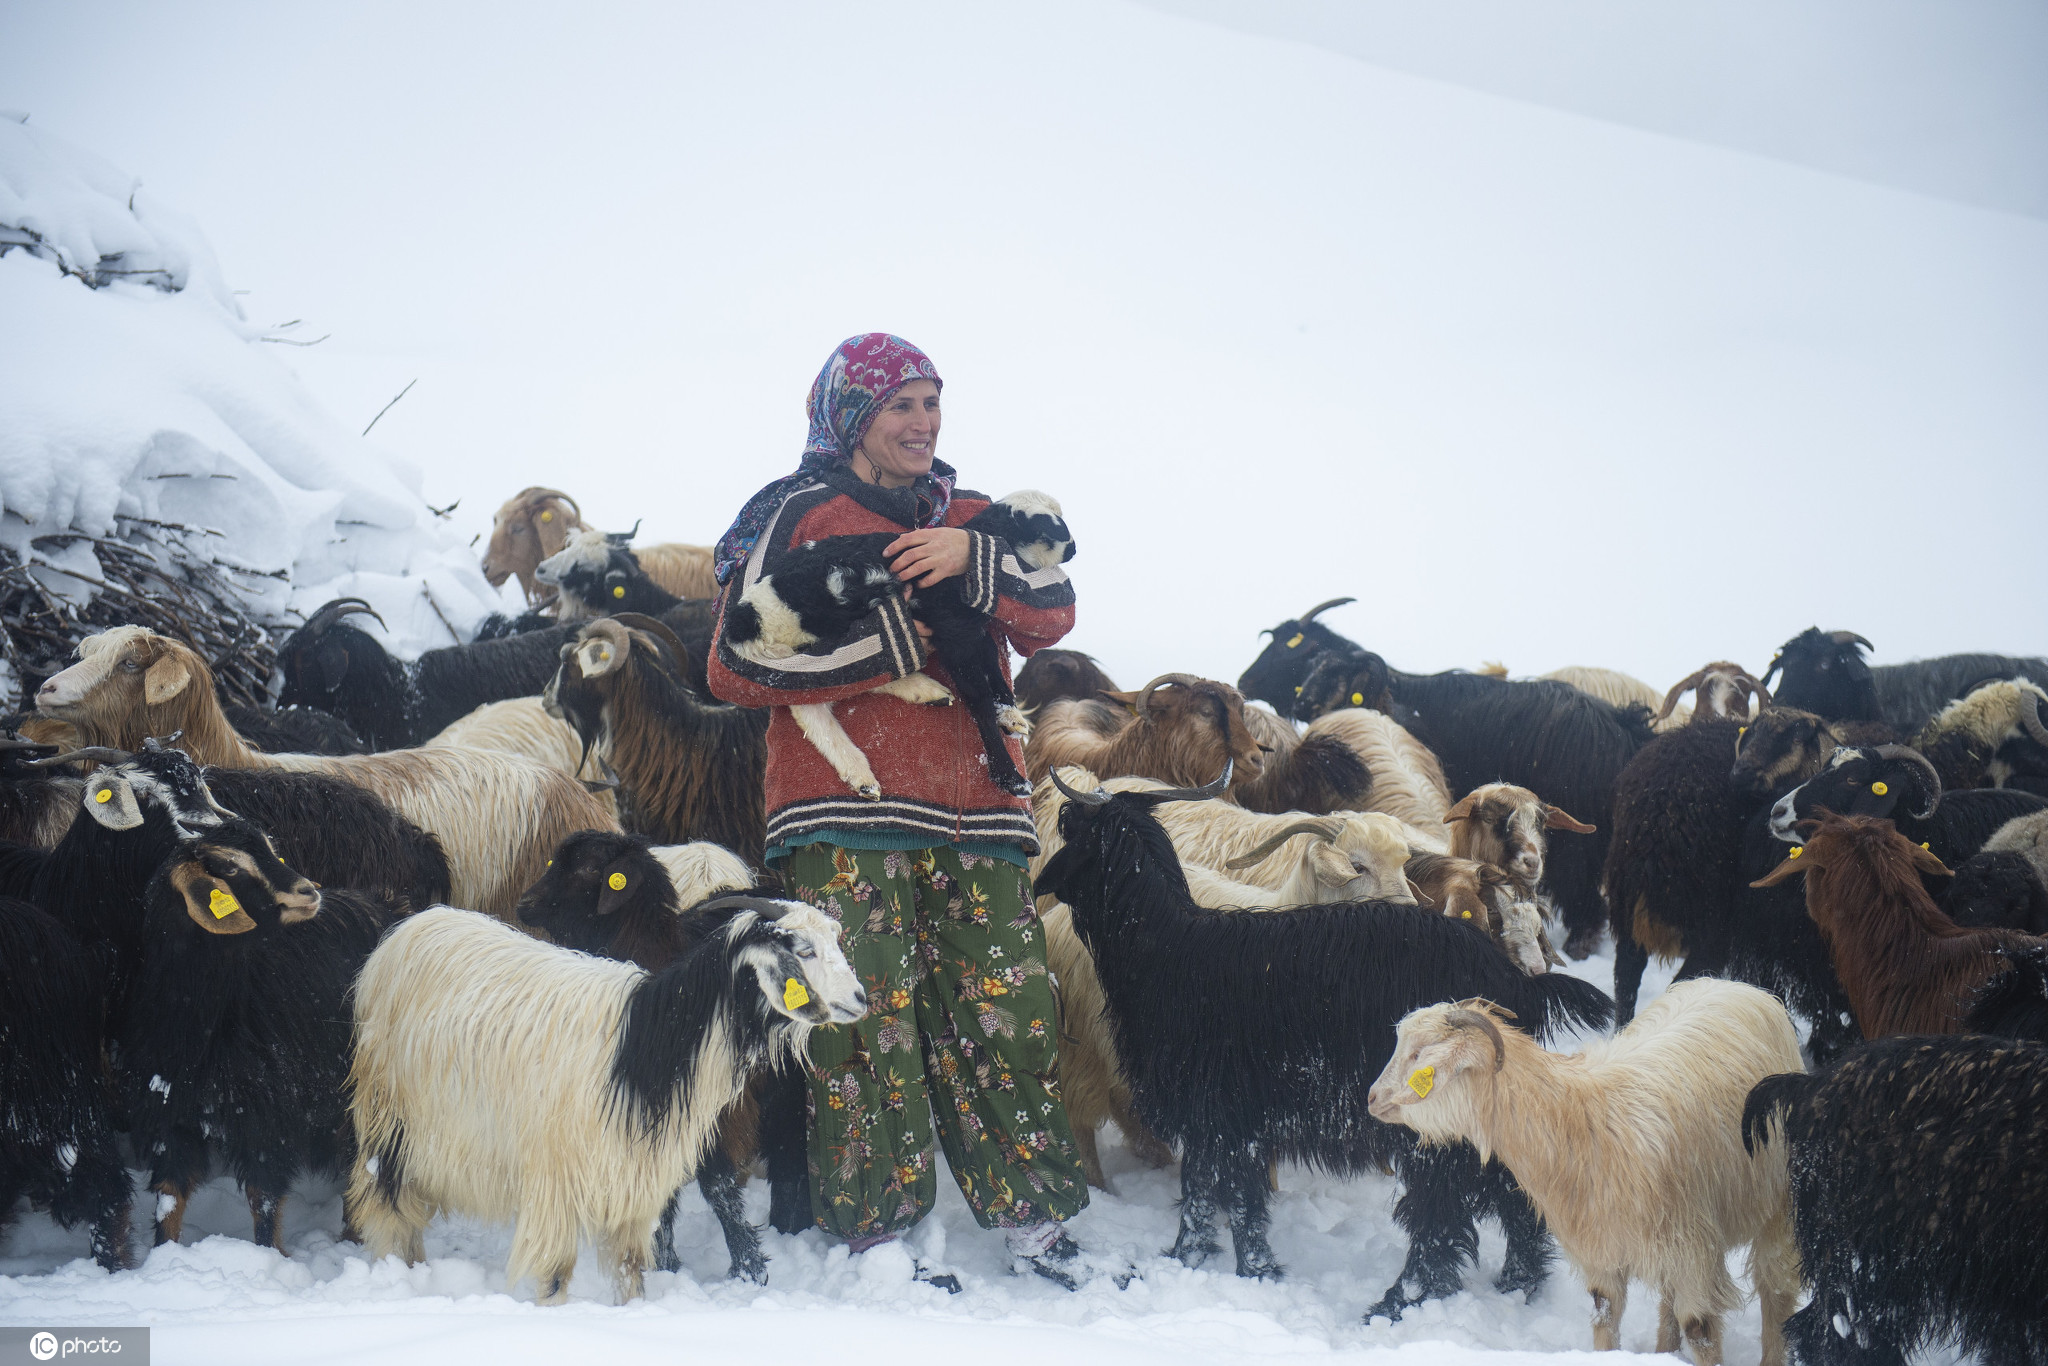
[317, 658]
[1782, 745]
[596, 881]
[533, 524]
[1205, 719]
[231, 881]
[1725, 693]
[1824, 672]
[794, 953]
[1344, 676]
[593, 571]
[1881, 781]
[1504, 825]
[1037, 528]
[1870, 848]
[1439, 1051]
[129, 682]
[1284, 664]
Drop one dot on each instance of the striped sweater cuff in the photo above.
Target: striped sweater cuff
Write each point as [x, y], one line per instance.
[899, 635]
[978, 587]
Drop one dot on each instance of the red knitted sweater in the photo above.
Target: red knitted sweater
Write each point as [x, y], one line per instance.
[928, 760]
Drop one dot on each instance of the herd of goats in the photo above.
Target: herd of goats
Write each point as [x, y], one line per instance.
[244, 953]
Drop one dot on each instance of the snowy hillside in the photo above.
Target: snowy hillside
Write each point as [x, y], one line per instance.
[132, 389]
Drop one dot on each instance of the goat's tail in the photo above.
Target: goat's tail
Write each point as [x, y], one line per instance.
[1563, 1001]
[1767, 1099]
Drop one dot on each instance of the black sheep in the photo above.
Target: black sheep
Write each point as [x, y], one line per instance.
[612, 895]
[824, 587]
[236, 1027]
[1919, 1174]
[1897, 784]
[1249, 1038]
[331, 665]
[57, 1142]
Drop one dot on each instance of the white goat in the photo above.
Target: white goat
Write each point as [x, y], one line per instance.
[1632, 1151]
[503, 1078]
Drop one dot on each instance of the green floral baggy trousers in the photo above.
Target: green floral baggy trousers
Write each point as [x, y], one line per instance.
[961, 1035]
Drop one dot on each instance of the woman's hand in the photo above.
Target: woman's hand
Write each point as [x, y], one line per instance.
[923, 558]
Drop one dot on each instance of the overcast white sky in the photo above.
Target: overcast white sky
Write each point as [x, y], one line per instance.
[1584, 370]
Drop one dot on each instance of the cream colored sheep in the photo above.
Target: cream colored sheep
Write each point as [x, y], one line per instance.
[1632, 1151]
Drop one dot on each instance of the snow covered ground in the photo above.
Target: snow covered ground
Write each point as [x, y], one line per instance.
[222, 1300]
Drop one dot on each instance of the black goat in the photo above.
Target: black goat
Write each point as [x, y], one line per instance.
[1919, 1190]
[57, 1142]
[2005, 882]
[618, 896]
[294, 730]
[1277, 675]
[392, 705]
[1825, 673]
[338, 833]
[1898, 784]
[2014, 1003]
[1345, 676]
[597, 574]
[236, 1031]
[1247, 1038]
[820, 590]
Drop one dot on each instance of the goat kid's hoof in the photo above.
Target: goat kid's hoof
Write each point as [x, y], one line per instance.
[1263, 1269]
[1194, 1256]
[1583, 943]
[1010, 721]
[869, 791]
[753, 1269]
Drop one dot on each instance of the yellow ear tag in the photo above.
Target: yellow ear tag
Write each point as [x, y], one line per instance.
[617, 882]
[1294, 642]
[618, 590]
[1923, 845]
[1358, 699]
[104, 795]
[794, 997]
[1879, 788]
[1421, 1080]
[547, 516]
[1466, 914]
[222, 903]
[1797, 850]
[1741, 731]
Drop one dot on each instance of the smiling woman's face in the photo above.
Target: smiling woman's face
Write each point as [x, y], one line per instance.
[903, 438]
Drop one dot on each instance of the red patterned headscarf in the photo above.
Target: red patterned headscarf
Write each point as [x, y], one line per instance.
[860, 375]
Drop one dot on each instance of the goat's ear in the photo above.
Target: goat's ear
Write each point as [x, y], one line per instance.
[164, 680]
[110, 800]
[1127, 699]
[209, 902]
[1926, 862]
[621, 883]
[1795, 863]
[597, 657]
[1422, 898]
[1462, 811]
[1557, 818]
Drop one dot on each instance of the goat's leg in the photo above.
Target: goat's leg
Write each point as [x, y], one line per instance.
[665, 1258]
[920, 688]
[1198, 1191]
[1667, 1324]
[1610, 1300]
[829, 738]
[1774, 1268]
[1245, 1187]
[1436, 1212]
[1091, 1158]
[1630, 959]
[783, 1143]
[266, 1215]
[1526, 1266]
[721, 1186]
[179, 1166]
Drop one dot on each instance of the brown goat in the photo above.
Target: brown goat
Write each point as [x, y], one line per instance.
[1785, 746]
[689, 768]
[1052, 674]
[536, 522]
[498, 816]
[1180, 730]
[1725, 692]
[1906, 967]
[1501, 824]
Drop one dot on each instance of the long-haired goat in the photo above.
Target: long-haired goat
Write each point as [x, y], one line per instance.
[497, 816]
[1053, 673]
[1824, 672]
[1980, 739]
[1632, 1151]
[617, 896]
[1178, 729]
[1906, 967]
[503, 1078]
[1919, 1181]
[536, 522]
[1726, 692]
[1296, 1016]
[689, 768]
[597, 574]
[1896, 782]
[2006, 881]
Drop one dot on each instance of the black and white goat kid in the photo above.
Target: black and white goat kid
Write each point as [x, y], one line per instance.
[826, 586]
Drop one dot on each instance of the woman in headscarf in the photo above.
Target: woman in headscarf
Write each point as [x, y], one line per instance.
[928, 883]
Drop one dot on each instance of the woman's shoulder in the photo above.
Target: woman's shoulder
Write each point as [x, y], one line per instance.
[966, 505]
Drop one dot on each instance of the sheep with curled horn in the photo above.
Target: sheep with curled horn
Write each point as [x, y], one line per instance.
[497, 816]
[1897, 783]
[1299, 1015]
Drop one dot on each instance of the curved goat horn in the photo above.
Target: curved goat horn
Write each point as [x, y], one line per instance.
[1163, 681]
[95, 754]
[1680, 689]
[2030, 715]
[1844, 637]
[336, 610]
[1312, 613]
[1326, 828]
[1096, 798]
[625, 538]
[1913, 758]
[1479, 1019]
[1212, 788]
[535, 497]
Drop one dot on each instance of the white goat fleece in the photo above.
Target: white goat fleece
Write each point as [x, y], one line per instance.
[1632, 1150]
[700, 870]
[1407, 781]
[518, 725]
[485, 1058]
